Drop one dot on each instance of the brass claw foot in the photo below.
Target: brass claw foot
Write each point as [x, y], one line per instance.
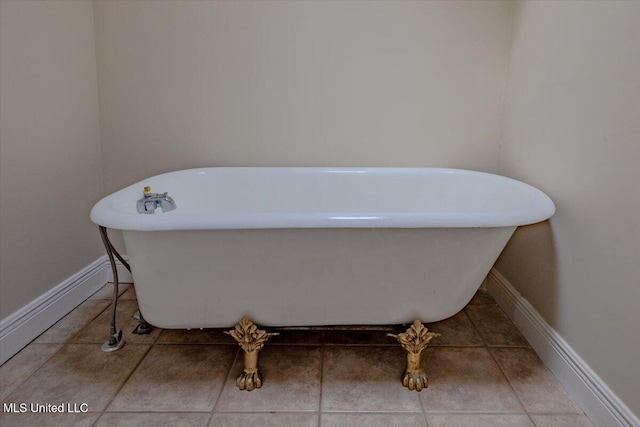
[251, 340]
[415, 380]
[414, 340]
[250, 378]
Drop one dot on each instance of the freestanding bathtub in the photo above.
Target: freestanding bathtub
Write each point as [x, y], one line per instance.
[316, 246]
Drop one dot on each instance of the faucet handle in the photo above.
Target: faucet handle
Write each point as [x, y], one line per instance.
[147, 191]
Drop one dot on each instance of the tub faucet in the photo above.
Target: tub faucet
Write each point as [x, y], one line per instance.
[150, 201]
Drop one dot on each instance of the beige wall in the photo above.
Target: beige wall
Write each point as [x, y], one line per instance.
[189, 84]
[49, 146]
[572, 128]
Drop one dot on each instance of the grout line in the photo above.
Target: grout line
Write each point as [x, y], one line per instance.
[476, 413]
[367, 412]
[23, 380]
[127, 379]
[135, 368]
[456, 346]
[509, 346]
[475, 327]
[100, 414]
[359, 345]
[424, 411]
[354, 328]
[154, 412]
[70, 339]
[499, 366]
[60, 344]
[196, 344]
[508, 381]
[224, 383]
[486, 344]
[554, 413]
[422, 405]
[322, 358]
[267, 411]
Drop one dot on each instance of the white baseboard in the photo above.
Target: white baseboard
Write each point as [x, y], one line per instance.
[595, 398]
[21, 327]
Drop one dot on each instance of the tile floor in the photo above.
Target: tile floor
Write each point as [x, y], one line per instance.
[481, 372]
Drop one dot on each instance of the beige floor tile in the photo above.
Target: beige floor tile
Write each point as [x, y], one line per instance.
[466, 379]
[129, 294]
[482, 297]
[494, 326]
[572, 420]
[124, 419]
[195, 336]
[362, 336]
[48, 420]
[455, 331]
[479, 420]
[372, 420]
[176, 378]
[97, 331]
[366, 379]
[178, 383]
[264, 420]
[536, 386]
[80, 373]
[291, 382]
[17, 369]
[73, 322]
[106, 292]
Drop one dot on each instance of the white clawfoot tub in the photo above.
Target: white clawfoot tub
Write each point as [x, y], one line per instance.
[317, 246]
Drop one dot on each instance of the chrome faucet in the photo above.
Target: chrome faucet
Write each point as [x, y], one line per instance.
[150, 201]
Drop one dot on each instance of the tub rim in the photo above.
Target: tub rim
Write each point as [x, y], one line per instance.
[104, 214]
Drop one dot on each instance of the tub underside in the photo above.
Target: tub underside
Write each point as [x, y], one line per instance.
[306, 277]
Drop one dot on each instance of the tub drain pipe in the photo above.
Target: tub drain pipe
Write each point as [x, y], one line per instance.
[115, 336]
